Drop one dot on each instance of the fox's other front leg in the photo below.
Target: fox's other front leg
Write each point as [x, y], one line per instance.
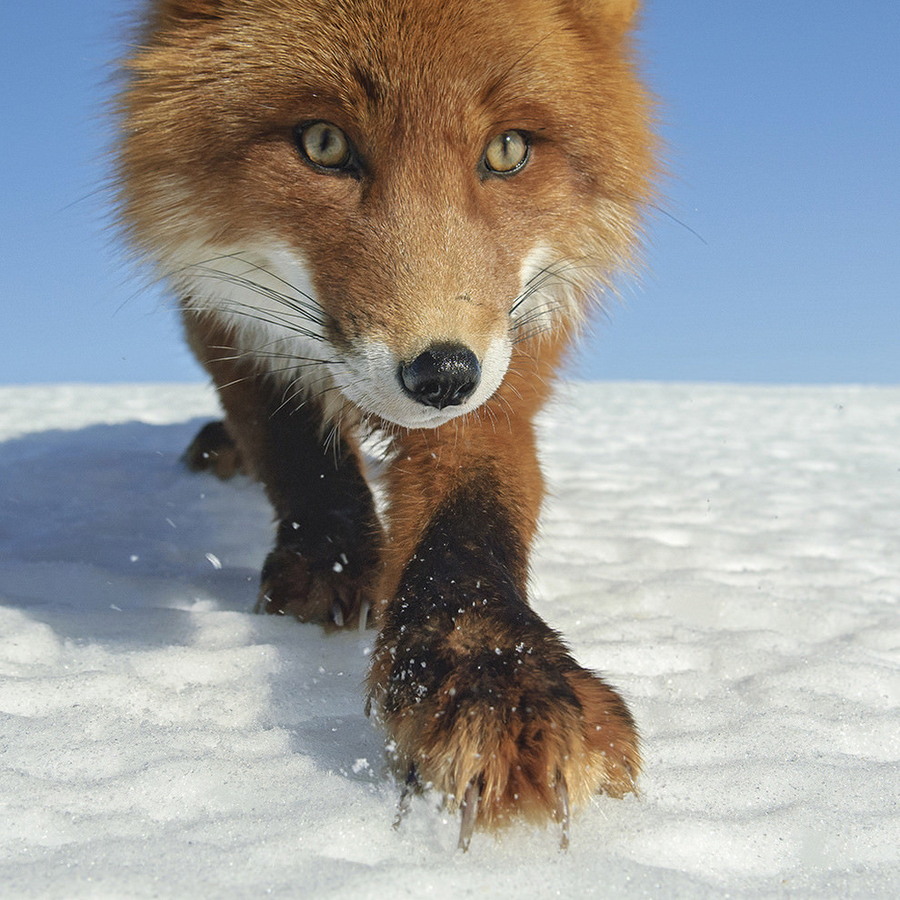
[480, 697]
[325, 562]
[326, 559]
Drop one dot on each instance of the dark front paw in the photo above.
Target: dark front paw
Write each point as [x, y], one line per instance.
[498, 717]
[330, 586]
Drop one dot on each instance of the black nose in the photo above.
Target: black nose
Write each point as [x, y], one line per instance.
[443, 375]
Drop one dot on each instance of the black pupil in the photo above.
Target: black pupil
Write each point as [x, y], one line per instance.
[328, 142]
[510, 153]
[323, 145]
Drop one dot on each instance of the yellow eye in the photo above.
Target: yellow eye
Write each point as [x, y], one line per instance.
[325, 145]
[507, 153]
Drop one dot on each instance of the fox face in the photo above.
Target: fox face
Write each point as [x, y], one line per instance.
[385, 203]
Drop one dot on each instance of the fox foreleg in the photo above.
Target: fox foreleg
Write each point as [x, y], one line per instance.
[480, 697]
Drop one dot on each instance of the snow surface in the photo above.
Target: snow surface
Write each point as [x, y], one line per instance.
[728, 556]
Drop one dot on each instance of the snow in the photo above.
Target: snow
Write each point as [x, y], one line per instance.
[729, 556]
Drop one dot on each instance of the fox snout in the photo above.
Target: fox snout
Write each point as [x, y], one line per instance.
[427, 338]
[443, 375]
[421, 389]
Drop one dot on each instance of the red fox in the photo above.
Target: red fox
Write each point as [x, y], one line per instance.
[391, 216]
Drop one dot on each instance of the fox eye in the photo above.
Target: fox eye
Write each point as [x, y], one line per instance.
[324, 145]
[506, 153]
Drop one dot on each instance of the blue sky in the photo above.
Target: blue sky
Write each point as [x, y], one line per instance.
[776, 257]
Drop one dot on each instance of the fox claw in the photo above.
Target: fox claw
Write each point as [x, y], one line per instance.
[363, 616]
[410, 786]
[562, 812]
[292, 585]
[469, 808]
[469, 815]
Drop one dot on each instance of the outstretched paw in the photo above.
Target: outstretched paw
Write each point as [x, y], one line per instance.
[503, 729]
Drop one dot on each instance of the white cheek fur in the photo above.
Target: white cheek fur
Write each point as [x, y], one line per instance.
[551, 291]
[266, 297]
[266, 291]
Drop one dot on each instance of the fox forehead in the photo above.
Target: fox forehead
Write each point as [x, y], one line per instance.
[516, 59]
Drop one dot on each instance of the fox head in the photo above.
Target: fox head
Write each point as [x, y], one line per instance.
[390, 197]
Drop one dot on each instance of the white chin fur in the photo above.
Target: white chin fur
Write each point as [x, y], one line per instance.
[369, 380]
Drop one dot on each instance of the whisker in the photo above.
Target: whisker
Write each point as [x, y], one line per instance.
[260, 316]
[301, 362]
[291, 306]
[530, 335]
[289, 396]
[545, 310]
[310, 310]
[555, 271]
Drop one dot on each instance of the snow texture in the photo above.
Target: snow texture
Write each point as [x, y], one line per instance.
[728, 556]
